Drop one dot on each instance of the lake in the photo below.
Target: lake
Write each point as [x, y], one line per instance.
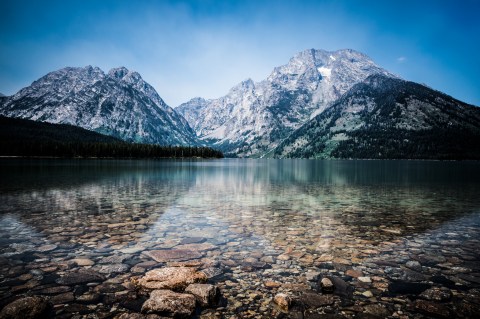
[395, 238]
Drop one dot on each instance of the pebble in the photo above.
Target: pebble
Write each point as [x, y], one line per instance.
[365, 279]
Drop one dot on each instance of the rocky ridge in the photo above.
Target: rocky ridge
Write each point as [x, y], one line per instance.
[118, 103]
[254, 117]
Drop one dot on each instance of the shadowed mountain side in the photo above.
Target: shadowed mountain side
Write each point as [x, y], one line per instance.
[385, 117]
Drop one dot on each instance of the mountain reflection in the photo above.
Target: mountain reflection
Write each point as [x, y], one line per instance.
[270, 199]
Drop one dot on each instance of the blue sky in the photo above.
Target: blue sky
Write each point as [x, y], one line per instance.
[203, 48]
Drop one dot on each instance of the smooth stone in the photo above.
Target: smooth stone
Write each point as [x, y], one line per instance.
[432, 309]
[46, 248]
[83, 276]
[367, 294]
[83, 262]
[163, 256]
[327, 285]
[114, 269]
[114, 259]
[283, 257]
[175, 278]
[197, 247]
[108, 287]
[414, 265]
[170, 303]
[364, 279]
[312, 275]
[354, 273]
[205, 294]
[193, 240]
[272, 284]
[54, 290]
[283, 301]
[313, 300]
[27, 308]
[62, 298]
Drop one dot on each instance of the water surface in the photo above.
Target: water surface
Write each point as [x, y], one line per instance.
[252, 221]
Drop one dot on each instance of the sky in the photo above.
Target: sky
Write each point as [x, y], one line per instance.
[186, 49]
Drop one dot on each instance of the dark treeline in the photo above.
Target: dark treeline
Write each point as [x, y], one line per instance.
[438, 143]
[29, 138]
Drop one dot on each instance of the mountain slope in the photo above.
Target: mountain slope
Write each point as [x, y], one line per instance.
[119, 103]
[254, 117]
[385, 117]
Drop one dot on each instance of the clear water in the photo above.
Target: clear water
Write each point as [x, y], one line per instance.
[348, 214]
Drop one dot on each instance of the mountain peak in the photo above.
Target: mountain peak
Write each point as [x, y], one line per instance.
[119, 103]
[118, 73]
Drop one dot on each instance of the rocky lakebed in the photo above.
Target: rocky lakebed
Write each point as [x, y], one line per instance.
[310, 269]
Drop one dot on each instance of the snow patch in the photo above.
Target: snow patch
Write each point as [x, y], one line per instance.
[332, 58]
[325, 71]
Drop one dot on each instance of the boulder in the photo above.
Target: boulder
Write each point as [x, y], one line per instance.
[166, 302]
[175, 278]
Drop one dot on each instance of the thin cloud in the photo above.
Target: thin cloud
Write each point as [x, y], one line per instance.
[401, 59]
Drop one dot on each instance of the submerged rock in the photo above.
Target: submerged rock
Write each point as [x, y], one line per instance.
[175, 278]
[312, 300]
[27, 308]
[205, 294]
[406, 288]
[432, 309]
[163, 256]
[327, 285]
[437, 294]
[283, 301]
[82, 276]
[169, 303]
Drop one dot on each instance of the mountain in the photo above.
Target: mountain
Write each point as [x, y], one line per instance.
[19, 137]
[385, 117]
[118, 103]
[253, 118]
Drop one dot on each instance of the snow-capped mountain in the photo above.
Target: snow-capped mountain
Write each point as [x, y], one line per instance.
[253, 118]
[119, 103]
[385, 117]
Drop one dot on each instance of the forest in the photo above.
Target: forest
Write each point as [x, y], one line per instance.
[27, 138]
